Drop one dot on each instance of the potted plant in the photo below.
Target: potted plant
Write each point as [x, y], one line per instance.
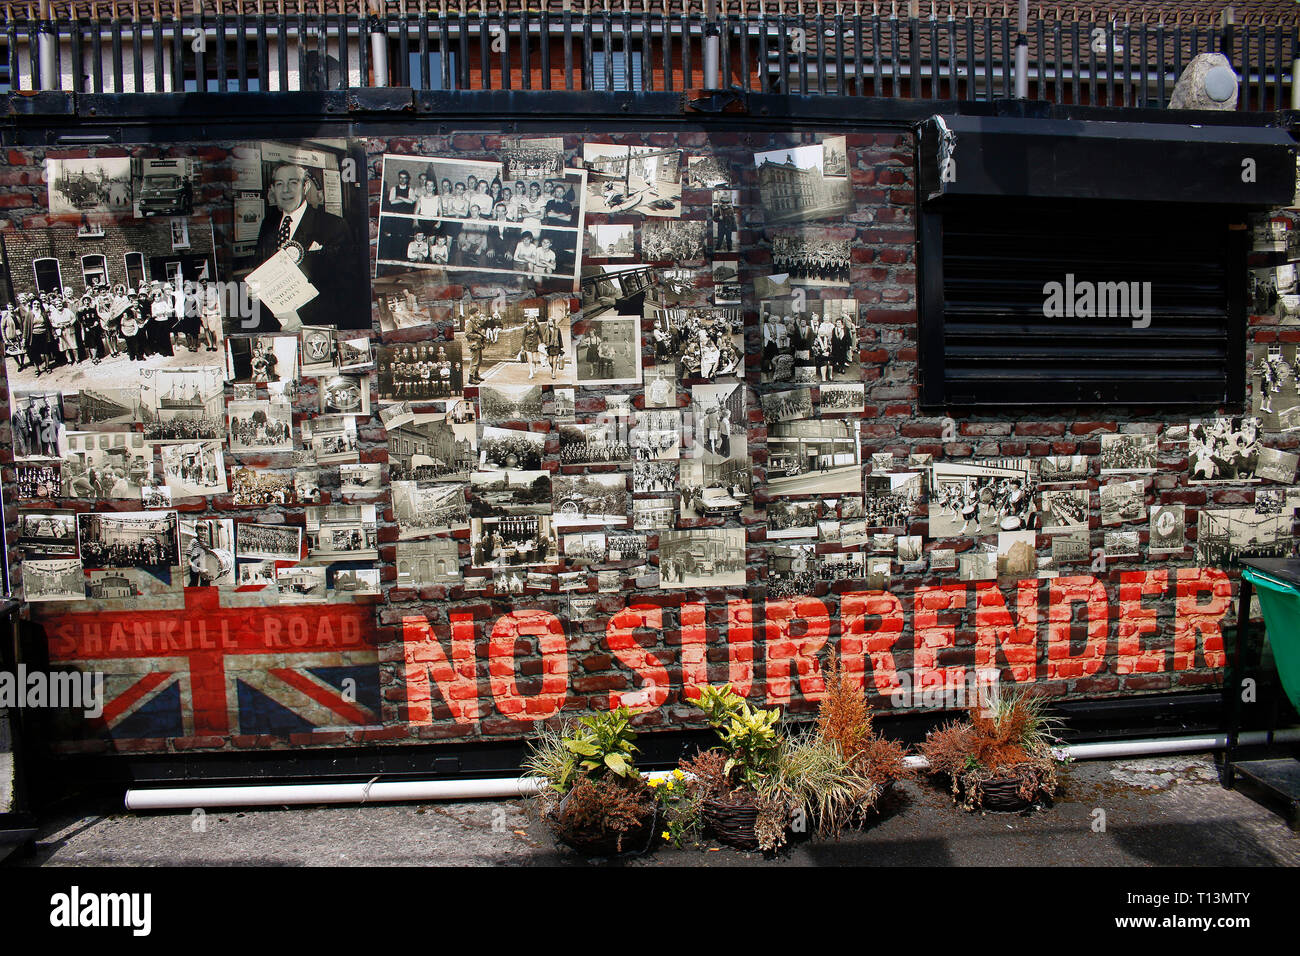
[1000, 757]
[845, 717]
[592, 796]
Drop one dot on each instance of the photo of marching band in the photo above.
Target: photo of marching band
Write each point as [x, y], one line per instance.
[982, 498]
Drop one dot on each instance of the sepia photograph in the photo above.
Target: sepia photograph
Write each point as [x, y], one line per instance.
[585, 549]
[718, 487]
[107, 465]
[1017, 554]
[47, 534]
[654, 477]
[838, 398]
[345, 395]
[612, 241]
[633, 179]
[711, 557]
[1275, 390]
[54, 580]
[1123, 502]
[653, 514]
[427, 563]
[495, 494]
[100, 185]
[590, 500]
[724, 222]
[814, 457]
[431, 448]
[727, 288]
[786, 405]
[660, 386]
[1071, 547]
[1275, 465]
[1064, 510]
[332, 439]
[892, 500]
[421, 511]
[684, 240]
[791, 570]
[594, 443]
[510, 449]
[182, 404]
[430, 371]
[703, 344]
[506, 403]
[38, 480]
[342, 533]
[260, 426]
[792, 519]
[1062, 469]
[192, 469]
[514, 542]
[208, 550]
[814, 346]
[516, 342]
[256, 486]
[811, 259]
[706, 172]
[276, 542]
[1121, 544]
[656, 436]
[1168, 530]
[262, 358]
[1225, 535]
[361, 479]
[982, 498]
[1129, 453]
[607, 351]
[319, 350]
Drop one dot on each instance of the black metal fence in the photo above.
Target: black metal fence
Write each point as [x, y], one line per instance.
[835, 49]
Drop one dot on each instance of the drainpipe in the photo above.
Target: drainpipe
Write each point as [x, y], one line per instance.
[1022, 51]
[378, 30]
[47, 47]
[712, 40]
[179, 798]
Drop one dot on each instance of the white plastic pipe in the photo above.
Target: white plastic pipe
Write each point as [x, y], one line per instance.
[187, 798]
[1022, 51]
[379, 57]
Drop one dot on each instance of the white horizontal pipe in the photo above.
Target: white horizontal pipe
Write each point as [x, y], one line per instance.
[185, 798]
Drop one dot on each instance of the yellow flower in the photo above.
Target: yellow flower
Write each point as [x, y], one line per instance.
[678, 774]
[653, 782]
[668, 784]
[665, 835]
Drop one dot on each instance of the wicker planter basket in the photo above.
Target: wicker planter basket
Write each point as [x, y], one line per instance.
[1003, 794]
[732, 823]
[600, 842]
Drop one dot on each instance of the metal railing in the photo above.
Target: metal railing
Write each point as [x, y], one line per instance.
[844, 49]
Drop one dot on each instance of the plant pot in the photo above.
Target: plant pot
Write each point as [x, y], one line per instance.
[732, 823]
[1003, 794]
[594, 841]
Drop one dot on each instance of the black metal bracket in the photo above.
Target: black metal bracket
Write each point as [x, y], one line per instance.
[720, 101]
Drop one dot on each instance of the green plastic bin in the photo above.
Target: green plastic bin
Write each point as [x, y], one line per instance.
[1280, 602]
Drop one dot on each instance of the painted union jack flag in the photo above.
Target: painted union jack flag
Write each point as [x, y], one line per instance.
[210, 670]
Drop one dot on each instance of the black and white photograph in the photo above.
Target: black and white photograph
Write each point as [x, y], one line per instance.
[193, 468]
[724, 225]
[54, 580]
[407, 300]
[727, 289]
[510, 449]
[608, 350]
[1225, 535]
[421, 511]
[978, 564]
[47, 534]
[714, 487]
[585, 549]
[429, 371]
[590, 500]
[706, 172]
[572, 580]
[814, 346]
[660, 386]
[814, 457]
[208, 552]
[100, 185]
[839, 398]
[347, 582]
[109, 409]
[38, 428]
[703, 344]
[155, 497]
[431, 448]
[262, 358]
[428, 563]
[625, 546]
[792, 519]
[301, 235]
[136, 539]
[565, 405]
[38, 480]
[654, 477]
[943, 559]
[1271, 501]
[1262, 291]
[612, 241]
[82, 314]
[182, 404]
[260, 426]
[1064, 509]
[1123, 502]
[828, 531]
[1072, 547]
[532, 157]
[702, 558]
[342, 533]
[332, 439]
[794, 185]
[518, 541]
[1275, 389]
[594, 443]
[1062, 469]
[510, 403]
[610, 581]
[717, 415]
[892, 500]
[633, 179]
[791, 570]
[365, 478]
[306, 485]
[682, 240]
[355, 354]
[345, 395]
[1129, 453]
[302, 584]
[516, 342]
[461, 216]
[1223, 450]
[653, 514]
[786, 405]
[163, 186]
[495, 494]
[115, 583]
[981, 498]
[618, 406]
[262, 487]
[811, 258]
[1275, 465]
[882, 543]
[854, 565]
[1121, 544]
[772, 287]
[1168, 530]
[107, 465]
[656, 436]
[319, 351]
[1017, 554]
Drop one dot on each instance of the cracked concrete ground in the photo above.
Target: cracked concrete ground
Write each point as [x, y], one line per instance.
[1156, 811]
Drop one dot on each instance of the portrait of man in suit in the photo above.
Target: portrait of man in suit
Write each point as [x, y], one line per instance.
[323, 247]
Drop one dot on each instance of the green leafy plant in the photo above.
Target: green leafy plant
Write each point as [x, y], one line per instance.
[549, 760]
[749, 735]
[678, 797]
[813, 776]
[603, 742]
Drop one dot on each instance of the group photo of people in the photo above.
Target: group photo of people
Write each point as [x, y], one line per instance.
[808, 260]
[819, 345]
[419, 373]
[704, 343]
[1223, 449]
